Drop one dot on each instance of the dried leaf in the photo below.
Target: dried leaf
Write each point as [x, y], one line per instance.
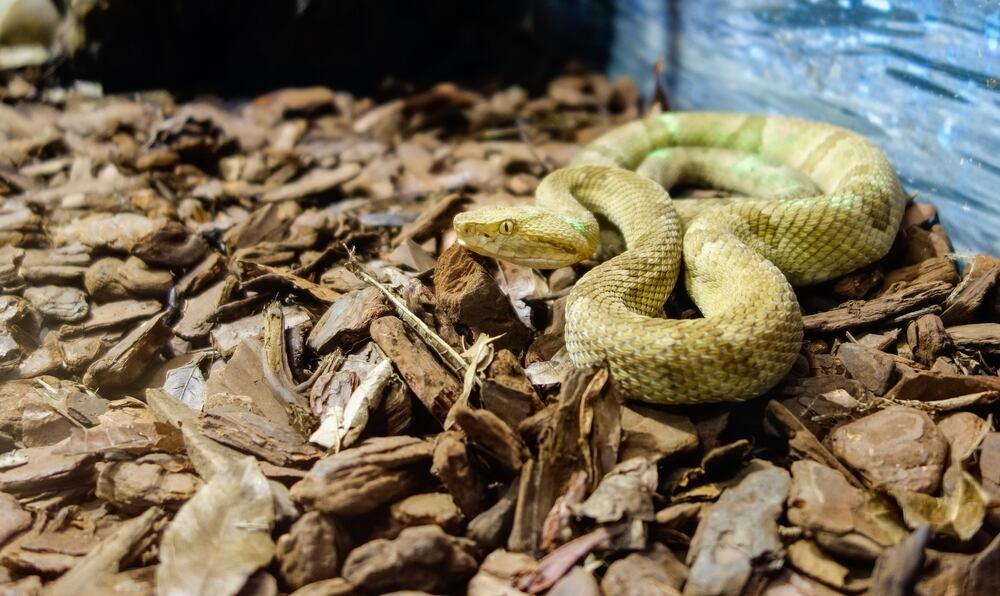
[221, 536]
[343, 424]
[960, 513]
[805, 556]
[186, 384]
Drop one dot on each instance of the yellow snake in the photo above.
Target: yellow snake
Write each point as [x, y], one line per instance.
[816, 201]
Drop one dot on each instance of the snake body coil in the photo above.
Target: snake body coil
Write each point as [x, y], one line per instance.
[821, 201]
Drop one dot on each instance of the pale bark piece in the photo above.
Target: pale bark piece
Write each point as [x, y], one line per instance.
[437, 509]
[171, 246]
[117, 231]
[976, 336]
[656, 573]
[270, 108]
[132, 582]
[874, 369]
[244, 375]
[140, 281]
[497, 574]
[897, 447]
[102, 281]
[26, 472]
[258, 436]
[927, 270]
[45, 360]
[412, 256]
[313, 549]
[259, 277]
[626, 493]
[861, 313]
[220, 537]
[268, 223]
[106, 558]
[199, 277]
[433, 384]
[111, 315]
[964, 432]
[58, 303]
[347, 320]
[56, 543]
[151, 481]
[317, 181]
[110, 116]
[127, 427]
[653, 433]
[421, 558]
[14, 519]
[929, 386]
[809, 558]
[196, 315]
[43, 423]
[129, 358]
[363, 478]
[740, 529]
[337, 586]
[578, 582]
[844, 518]
[63, 265]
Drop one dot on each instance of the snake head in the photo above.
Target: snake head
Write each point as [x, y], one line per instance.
[528, 236]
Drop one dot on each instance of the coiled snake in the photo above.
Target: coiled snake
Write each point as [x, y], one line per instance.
[821, 201]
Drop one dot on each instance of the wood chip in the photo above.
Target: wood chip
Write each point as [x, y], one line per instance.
[858, 314]
[433, 384]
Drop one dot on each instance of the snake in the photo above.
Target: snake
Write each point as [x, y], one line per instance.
[807, 202]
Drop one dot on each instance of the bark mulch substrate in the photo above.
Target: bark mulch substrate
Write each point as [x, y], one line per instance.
[242, 354]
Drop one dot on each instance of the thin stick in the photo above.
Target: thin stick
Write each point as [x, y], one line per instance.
[451, 358]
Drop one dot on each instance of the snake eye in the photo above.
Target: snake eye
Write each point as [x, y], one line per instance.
[506, 226]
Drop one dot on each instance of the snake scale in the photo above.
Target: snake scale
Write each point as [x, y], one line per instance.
[812, 201]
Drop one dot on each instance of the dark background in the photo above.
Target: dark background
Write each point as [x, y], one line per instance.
[241, 47]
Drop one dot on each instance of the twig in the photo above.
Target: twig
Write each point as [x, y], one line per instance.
[451, 358]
